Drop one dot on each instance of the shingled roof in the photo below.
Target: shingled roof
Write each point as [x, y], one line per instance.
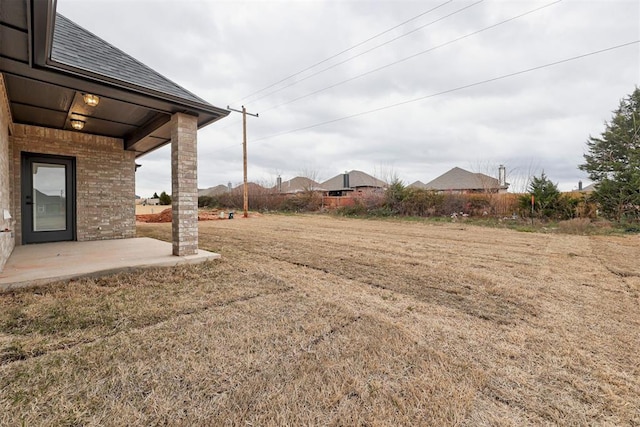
[299, 184]
[458, 179]
[213, 191]
[48, 63]
[76, 47]
[356, 179]
[418, 185]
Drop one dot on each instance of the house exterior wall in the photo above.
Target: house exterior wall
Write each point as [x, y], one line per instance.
[7, 238]
[105, 179]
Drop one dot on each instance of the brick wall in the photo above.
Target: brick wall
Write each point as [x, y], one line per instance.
[184, 184]
[6, 238]
[105, 179]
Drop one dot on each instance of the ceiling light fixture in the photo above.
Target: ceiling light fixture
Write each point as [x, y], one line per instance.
[91, 100]
[77, 124]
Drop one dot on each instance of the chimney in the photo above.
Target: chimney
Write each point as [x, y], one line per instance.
[279, 184]
[579, 185]
[345, 180]
[502, 176]
[229, 187]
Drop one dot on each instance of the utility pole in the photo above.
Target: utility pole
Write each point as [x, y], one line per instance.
[245, 188]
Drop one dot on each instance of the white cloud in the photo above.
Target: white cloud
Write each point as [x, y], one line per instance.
[225, 50]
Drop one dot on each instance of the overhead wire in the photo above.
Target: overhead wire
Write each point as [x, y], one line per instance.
[410, 57]
[367, 51]
[336, 55]
[467, 86]
[345, 50]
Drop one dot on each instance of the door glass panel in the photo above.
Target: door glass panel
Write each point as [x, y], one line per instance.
[49, 198]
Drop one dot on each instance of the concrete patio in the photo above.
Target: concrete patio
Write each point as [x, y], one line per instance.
[37, 264]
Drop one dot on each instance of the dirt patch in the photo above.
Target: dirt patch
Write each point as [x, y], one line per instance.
[203, 215]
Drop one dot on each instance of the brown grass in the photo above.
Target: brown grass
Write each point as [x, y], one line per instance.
[311, 320]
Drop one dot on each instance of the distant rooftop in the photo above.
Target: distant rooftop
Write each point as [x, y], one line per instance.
[356, 179]
[458, 179]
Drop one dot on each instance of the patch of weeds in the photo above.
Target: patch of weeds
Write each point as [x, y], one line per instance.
[15, 320]
[383, 212]
[55, 319]
[18, 398]
[576, 226]
[389, 297]
[356, 210]
[440, 219]
[12, 352]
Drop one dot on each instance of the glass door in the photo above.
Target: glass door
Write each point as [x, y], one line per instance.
[47, 198]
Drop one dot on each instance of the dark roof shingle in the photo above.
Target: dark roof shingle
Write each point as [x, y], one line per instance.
[460, 179]
[299, 184]
[76, 47]
[356, 179]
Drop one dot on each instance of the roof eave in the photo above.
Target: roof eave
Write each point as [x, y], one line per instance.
[182, 105]
[42, 22]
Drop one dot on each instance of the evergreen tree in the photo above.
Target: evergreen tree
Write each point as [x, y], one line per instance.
[613, 162]
[546, 197]
[165, 199]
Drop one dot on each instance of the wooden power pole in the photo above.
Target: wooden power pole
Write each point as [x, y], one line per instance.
[245, 187]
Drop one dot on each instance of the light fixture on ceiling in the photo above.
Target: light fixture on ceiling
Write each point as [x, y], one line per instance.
[91, 100]
[77, 124]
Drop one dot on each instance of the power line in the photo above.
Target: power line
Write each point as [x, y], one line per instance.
[368, 50]
[504, 76]
[345, 50]
[411, 56]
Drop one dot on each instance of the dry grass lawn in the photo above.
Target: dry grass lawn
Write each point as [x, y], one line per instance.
[313, 320]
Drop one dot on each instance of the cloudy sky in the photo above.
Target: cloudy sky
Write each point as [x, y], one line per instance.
[405, 88]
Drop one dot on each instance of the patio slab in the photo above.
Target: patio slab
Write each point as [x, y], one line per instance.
[37, 264]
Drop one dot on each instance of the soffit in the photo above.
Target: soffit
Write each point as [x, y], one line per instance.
[51, 95]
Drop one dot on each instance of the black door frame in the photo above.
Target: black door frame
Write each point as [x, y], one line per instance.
[28, 235]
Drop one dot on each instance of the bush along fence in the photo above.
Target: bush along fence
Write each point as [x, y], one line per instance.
[403, 201]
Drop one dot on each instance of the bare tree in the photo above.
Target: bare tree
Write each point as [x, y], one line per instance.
[520, 176]
[313, 178]
[386, 172]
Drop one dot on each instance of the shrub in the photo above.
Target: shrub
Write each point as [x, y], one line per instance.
[419, 202]
[308, 201]
[165, 199]
[575, 226]
[207, 202]
[357, 209]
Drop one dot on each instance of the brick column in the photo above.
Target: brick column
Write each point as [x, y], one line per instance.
[184, 184]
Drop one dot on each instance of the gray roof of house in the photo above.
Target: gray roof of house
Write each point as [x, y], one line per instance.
[356, 179]
[417, 184]
[589, 188]
[76, 47]
[299, 184]
[460, 179]
[213, 191]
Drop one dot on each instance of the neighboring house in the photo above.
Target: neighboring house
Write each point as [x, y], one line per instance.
[353, 183]
[296, 185]
[588, 189]
[75, 113]
[213, 191]
[418, 185]
[460, 181]
[152, 201]
[252, 189]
